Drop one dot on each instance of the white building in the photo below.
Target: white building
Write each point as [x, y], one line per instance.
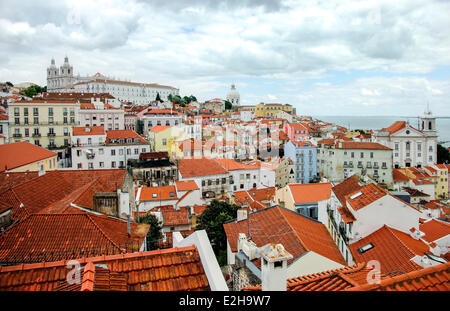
[233, 96]
[63, 80]
[337, 160]
[165, 117]
[95, 148]
[411, 146]
[97, 113]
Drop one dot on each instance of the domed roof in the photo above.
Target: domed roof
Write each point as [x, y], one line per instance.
[233, 92]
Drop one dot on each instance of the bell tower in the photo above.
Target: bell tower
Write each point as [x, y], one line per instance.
[428, 123]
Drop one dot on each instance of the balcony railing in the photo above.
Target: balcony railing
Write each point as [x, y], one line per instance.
[17, 135]
[51, 134]
[36, 134]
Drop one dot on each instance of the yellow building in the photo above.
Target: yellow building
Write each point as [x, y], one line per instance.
[26, 157]
[45, 123]
[441, 185]
[271, 110]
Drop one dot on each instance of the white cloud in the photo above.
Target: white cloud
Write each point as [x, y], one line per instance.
[202, 46]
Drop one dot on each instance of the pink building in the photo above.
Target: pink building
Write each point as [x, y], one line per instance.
[296, 131]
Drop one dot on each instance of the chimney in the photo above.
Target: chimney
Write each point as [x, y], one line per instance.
[434, 249]
[241, 214]
[274, 260]
[414, 233]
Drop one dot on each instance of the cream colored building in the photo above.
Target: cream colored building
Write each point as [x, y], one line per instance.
[44, 123]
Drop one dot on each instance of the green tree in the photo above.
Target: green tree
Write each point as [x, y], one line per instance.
[193, 98]
[228, 105]
[212, 220]
[186, 100]
[9, 83]
[169, 97]
[443, 155]
[154, 234]
[157, 97]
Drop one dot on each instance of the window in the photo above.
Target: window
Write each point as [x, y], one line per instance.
[362, 155]
[365, 248]
[136, 151]
[90, 165]
[113, 164]
[120, 151]
[16, 112]
[100, 151]
[36, 120]
[25, 111]
[128, 151]
[72, 120]
[79, 165]
[27, 132]
[101, 164]
[17, 121]
[35, 111]
[50, 111]
[352, 154]
[113, 152]
[164, 141]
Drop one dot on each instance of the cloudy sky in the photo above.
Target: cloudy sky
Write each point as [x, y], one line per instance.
[323, 57]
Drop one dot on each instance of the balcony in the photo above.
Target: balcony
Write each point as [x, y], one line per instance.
[36, 135]
[17, 135]
[360, 165]
[369, 165]
[51, 134]
[375, 166]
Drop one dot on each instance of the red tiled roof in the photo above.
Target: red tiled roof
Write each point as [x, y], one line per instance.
[118, 134]
[392, 248]
[346, 187]
[185, 185]
[199, 167]
[363, 145]
[157, 193]
[15, 155]
[66, 186]
[395, 127]
[159, 128]
[434, 229]
[173, 269]
[399, 176]
[232, 165]
[50, 237]
[369, 194]
[88, 130]
[298, 234]
[308, 193]
[12, 179]
[434, 278]
[174, 217]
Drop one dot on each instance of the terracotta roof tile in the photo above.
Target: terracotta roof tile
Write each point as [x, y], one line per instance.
[88, 130]
[14, 155]
[50, 237]
[364, 196]
[185, 185]
[174, 269]
[55, 190]
[392, 248]
[434, 229]
[298, 234]
[174, 217]
[395, 127]
[199, 167]
[434, 278]
[307, 193]
[123, 134]
[157, 193]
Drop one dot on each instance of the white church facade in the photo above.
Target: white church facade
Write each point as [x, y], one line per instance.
[411, 147]
[62, 79]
